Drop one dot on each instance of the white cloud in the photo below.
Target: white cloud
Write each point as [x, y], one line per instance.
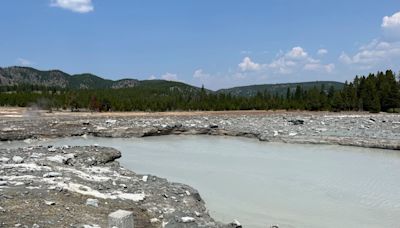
[282, 65]
[79, 6]
[200, 74]
[322, 51]
[248, 65]
[319, 67]
[297, 53]
[170, 77]
[391, 27]
[391, 21]
[24, 62]
[373, 53]
[291, 62]
[344, 58]
[380, 52]
[297, 59]
[329, 67]
[152, 77]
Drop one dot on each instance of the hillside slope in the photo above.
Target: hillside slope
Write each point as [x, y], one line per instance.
[279, 89]
[56, 78]
[10, 76]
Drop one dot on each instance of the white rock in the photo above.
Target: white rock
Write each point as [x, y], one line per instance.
[36, 155]
[17, 159]
[292, 133]
[154, 220]
[121, 219]
[144, 178]
[3, 183]
[52, 174]
[57, 158]
[49, 202]
[92, 226]
[236, 223]
[132, 196]
[70, 156]
[4, 159]
[321, 129]
[110, 121]
[17, 183]
[187, 193]
[28, 141]
[187, 219]
[51, 149]
[92, 202]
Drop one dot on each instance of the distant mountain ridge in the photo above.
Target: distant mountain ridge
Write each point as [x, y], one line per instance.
[279, 88]
[17, 75]
[56, 78]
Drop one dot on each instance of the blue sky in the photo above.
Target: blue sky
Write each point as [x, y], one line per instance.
[216, 43]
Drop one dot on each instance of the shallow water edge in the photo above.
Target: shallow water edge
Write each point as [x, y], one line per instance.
[262, 183]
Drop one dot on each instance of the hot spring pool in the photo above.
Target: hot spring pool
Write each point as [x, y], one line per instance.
[260, 184]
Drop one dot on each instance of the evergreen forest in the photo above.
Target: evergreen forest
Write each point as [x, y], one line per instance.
[374, 93]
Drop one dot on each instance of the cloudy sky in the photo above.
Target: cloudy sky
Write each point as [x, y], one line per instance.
[216, 43]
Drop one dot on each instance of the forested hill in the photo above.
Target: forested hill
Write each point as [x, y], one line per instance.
[17, 76]
[21, 86]
[278, 89]
[10, 76]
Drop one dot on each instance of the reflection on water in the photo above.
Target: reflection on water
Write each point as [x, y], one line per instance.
[262, 183]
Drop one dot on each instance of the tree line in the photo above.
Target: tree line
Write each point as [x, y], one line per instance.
[374, 93]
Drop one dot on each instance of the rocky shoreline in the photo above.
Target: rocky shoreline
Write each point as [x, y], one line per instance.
[350, 129]
[80, 186]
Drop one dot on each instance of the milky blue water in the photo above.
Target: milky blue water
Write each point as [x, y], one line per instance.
[260, 183]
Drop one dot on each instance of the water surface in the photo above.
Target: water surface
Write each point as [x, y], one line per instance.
[259, 183]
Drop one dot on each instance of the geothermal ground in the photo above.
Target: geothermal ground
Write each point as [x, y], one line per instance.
[80, 186]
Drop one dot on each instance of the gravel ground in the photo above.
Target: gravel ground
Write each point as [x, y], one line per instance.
[80, 186]
[355, 129]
